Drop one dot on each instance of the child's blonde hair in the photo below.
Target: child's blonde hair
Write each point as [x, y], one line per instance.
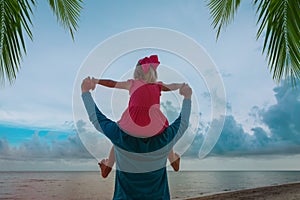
[149, 77]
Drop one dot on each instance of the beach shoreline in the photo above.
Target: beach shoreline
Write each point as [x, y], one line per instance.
[289, 191]
[184, 185]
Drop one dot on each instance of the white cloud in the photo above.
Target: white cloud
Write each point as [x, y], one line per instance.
[43, 149]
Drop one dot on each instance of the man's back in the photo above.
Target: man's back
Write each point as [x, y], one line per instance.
[148, 185]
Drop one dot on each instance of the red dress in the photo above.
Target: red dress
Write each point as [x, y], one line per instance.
[143, 117]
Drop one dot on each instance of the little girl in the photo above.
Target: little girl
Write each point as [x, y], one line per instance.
[143, 117]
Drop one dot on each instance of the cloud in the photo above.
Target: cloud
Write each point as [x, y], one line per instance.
[170, 111]
[43, 148]
[282, 136]
[4, 147]
[279, 134]
[283, 117]
[67, 143]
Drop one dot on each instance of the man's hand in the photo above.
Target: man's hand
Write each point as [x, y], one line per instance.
[87, 85]
[186, 91]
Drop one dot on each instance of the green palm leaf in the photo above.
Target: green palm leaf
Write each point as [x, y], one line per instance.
[14, 21]
[222, 12]
[67, 13]
[279, 21]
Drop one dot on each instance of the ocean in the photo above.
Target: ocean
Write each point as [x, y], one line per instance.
[89, 185]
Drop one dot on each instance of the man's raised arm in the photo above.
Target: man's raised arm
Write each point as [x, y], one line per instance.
[98, 119]
[175, 131]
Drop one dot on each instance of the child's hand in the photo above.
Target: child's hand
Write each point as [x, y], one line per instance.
[87, 85]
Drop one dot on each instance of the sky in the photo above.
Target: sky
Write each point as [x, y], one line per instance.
[37, 127]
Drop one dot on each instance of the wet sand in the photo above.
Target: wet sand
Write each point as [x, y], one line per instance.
[280, 192]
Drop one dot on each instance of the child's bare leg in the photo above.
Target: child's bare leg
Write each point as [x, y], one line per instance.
[106, 164]
[174, 159]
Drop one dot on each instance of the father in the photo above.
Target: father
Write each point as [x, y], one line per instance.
[132, 180]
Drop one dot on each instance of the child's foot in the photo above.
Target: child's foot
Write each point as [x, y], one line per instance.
[105, 169]
[176, 163]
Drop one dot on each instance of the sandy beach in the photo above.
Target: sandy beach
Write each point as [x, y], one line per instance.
[280, 192]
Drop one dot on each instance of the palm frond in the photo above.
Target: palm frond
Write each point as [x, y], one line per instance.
[222, 12]
[67, 13]
[279, 24]
[15, 20]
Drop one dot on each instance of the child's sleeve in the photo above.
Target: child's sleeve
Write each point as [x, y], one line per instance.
[130, 82]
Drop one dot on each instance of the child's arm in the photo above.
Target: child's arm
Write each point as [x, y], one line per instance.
[171, 87]
[113, 84]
